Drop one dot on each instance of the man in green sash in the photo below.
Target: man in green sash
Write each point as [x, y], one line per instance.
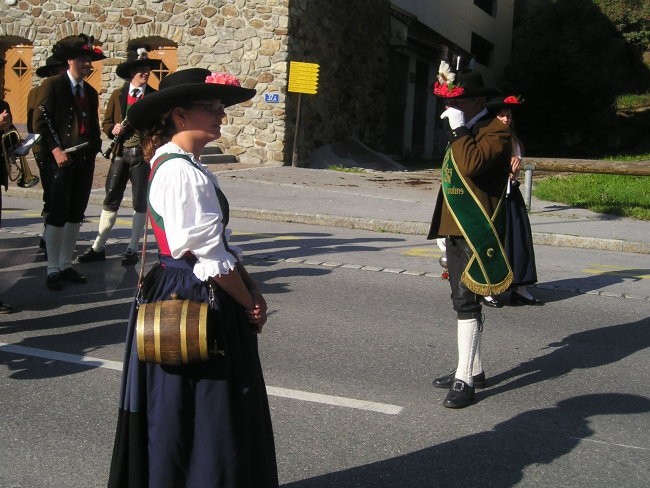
[468, 214]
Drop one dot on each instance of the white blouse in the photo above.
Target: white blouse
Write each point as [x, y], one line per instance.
[184, 195]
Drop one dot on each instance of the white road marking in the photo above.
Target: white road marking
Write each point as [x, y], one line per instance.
[306, 396]
[334, 400]
[610, 443]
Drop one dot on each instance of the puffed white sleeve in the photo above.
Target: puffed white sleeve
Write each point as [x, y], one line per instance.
[186, 200]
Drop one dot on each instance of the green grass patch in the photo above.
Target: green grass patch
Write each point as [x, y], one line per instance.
[630, 102]
[345, 169]
[627, 196]
[629, 157]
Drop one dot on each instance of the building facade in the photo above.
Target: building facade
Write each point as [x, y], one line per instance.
[377, 60]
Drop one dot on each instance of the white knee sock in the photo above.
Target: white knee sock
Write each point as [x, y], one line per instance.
[137, 228]
[53, 237]
[69, 242]
[468, 336]
[106, 222]
[477, 365]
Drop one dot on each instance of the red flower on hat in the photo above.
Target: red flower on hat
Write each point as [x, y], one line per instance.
[513, 100]
[222, 79]
[445, 86]
[447, 90]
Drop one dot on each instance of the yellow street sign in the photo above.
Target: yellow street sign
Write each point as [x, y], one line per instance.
[303, 77]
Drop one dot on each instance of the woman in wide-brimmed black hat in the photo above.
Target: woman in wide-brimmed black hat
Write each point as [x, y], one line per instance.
[205, 424]
[519, 238]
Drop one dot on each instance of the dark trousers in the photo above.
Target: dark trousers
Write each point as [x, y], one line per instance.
[467, 304]
[42, 165]
[68, 189]
[130, 165]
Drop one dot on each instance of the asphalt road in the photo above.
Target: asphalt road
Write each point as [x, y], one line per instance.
[360, 323]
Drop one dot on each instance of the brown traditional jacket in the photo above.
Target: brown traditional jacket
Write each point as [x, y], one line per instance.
[56, 96]
[116, 108]
[482, 155]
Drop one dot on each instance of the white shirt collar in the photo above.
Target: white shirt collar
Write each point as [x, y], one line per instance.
[74, 83]
[140, 88]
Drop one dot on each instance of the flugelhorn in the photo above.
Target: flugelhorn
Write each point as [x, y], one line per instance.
[17, 166]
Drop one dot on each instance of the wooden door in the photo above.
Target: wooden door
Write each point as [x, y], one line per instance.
[18, 80]
[168, 56]
[94, 79]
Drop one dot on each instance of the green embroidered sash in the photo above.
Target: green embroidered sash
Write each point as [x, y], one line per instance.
[488, 271]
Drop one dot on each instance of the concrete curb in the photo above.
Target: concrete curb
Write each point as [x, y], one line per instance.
[376, 225]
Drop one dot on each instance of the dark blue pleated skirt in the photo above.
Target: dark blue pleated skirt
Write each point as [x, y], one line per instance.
[519, 240]
[204, 425]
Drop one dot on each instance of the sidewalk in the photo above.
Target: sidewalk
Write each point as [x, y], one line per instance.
[384, 201]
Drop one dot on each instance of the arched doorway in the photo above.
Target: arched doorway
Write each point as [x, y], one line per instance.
[17, 79]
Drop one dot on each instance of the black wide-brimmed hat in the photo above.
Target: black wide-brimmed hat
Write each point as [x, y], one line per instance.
[184, 87]
[51, 67]
[75, 47]
[136, 58]
[512, 102]
[465, 84]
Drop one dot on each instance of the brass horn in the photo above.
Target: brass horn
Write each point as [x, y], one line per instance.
[17, 166]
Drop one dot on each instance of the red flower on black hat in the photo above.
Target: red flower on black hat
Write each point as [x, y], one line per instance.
[445, 86]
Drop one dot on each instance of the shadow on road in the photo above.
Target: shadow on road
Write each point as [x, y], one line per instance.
[493, 459]
[583, 350]
[599, 281]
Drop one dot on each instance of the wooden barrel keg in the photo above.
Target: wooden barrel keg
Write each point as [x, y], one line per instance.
[172, 332]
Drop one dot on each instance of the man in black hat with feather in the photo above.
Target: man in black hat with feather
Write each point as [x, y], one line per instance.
[127, 160]
[469, 215]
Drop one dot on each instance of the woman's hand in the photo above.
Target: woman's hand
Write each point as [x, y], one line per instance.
[515, 166]
[257, 313]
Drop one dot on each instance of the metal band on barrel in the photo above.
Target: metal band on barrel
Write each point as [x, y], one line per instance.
[156, 331]
[140, 331]
[183, 330]
[203, 331]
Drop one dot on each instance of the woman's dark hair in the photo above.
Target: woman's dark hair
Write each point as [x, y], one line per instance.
[156, 136]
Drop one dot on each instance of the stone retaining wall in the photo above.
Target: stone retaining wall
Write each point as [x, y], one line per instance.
[252, 39]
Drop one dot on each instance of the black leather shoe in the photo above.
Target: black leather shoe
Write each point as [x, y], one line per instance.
[517, 298]
[129, 258]
[91, 255]
[491, 303]
[72, 275]
[446, 381]
[460, 395]
[53, 281]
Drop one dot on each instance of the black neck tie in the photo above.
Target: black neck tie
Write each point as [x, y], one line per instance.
[136, 93]
[77, 90]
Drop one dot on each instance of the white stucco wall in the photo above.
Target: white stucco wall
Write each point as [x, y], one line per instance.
[457, 19]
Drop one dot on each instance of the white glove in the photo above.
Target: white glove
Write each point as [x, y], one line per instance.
[456, 117]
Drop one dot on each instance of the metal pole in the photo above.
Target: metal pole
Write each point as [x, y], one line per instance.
[294, 157]
[528, 182]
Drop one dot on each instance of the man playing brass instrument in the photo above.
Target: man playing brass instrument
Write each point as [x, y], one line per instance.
[127, 161]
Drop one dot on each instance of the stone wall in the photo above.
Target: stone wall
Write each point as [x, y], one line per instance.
[252, 39]
[349, 40]
[247, 38]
